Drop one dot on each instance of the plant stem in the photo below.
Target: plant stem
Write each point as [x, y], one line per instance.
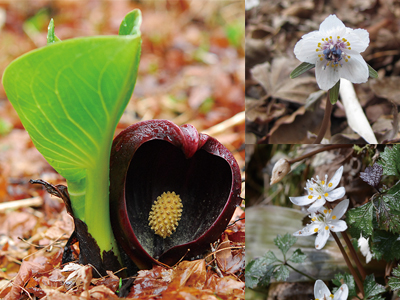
[326, 148]
[349, 265]
[300, 272]
[354, 255]
[325, 121]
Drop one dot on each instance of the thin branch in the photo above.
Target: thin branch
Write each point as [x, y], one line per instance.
[326, 148]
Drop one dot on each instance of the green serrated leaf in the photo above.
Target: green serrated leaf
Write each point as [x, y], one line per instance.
[270, 258]
[281, 273]
[130, 25]
[359, 220]
[371, 288]
[285, 243]
[334, 93]
[390, 160]
[394, 282]
[258, 273]
[372, 72]
[51, 37]
[385, 245]
[298, 256]
[347, 279]
[388, 215]
[302, 68]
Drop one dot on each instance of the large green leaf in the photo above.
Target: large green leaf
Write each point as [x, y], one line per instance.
[70, 96]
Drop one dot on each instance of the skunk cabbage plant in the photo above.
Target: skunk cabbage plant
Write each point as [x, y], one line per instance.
[173, 191]
[70, 96]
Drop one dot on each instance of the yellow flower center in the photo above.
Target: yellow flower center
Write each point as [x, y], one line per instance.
[165, 214]
[333, 217]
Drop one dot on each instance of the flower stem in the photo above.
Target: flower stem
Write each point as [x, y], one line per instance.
[312, 153]
[325, 121]
[300, 272]
[354, 255]
[349, 265]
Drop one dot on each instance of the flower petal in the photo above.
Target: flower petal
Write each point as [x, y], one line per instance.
[305, 48]
[342, 293]
[340, 209]
[322, 237]
[321, 291]
[355, 70]
[317, 204]
[331, 24]
[302, 200]
[358, 39]
[335, 179]
[337, 226]
[336, 194]
[326, 76]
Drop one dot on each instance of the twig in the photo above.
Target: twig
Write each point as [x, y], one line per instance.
[325, 121]
[35, 201]
[221, 127]
[326, 148]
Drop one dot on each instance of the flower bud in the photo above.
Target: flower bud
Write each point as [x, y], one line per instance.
[281, 168]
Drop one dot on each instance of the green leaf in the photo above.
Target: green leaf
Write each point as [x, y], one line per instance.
[70, 97]
[298, 256]
[390, 160]
[372, 72]
[334, 93]
[371, 288]
[304, 67]
[347, 279]
[258, 273]
[359, 220]
[285, 243]
[281, 273]
[51, 37]
[270, 258]
[385, 245]
[388, 213]
[394, 282]
[130, 25]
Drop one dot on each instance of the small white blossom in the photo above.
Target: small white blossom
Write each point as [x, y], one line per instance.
[364, 248]
[321, 292]
[335, 50]
[281, 168]
[321, 190]
[323, 221]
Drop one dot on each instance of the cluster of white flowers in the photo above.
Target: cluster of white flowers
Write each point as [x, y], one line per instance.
[321, 292]
[323, 220]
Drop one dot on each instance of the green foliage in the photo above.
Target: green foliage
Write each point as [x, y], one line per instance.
[372, 290]
[51, 37]
[394, 282]
[372, 72]
[70, 96]
[390, 160]
[385, 245]
[359, 220]
[347, 279]
[334, 93]
[260, 271]
[302, 68]
[285, 243]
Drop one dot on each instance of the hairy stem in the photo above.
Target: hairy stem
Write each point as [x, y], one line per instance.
[325, 121]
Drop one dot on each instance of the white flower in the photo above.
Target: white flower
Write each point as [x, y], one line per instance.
[364, 248]
[321, 292]
[320, 191]
[324, 221]
[335, 50]
[281, 168]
